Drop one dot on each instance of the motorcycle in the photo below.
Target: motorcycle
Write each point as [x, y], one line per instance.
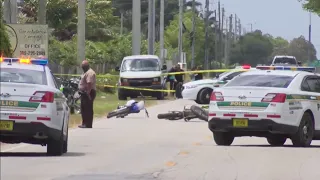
[70, 90]
[187, 114]
[131, 107]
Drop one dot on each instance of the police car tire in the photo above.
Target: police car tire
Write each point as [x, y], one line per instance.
[276, 140]
[55, 147]
[65, 143]
[299, 139]
[223, 138]
[203, 94]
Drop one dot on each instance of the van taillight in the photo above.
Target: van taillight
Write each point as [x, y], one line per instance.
[216, 96]
[42, 96]
[275, 97]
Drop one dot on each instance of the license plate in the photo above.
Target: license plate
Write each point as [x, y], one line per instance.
[6, 125]
[240, 122]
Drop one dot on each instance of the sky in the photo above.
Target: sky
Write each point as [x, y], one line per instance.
[284, 18]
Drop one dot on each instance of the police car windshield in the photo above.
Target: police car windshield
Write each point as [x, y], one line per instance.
[140, 65]
[14, 75]
[277, 81]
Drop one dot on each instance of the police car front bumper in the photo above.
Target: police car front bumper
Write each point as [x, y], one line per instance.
[260, 128]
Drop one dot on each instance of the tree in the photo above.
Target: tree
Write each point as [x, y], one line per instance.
[5, 46]
[252, 48]
[280, 46]
[299, 48]
[312, 5]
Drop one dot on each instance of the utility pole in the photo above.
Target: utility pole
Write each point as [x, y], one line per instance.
[215, 38]
[42, 12]
[136, 27]
[309, 46]
[220, 35]
[226, 44]
[229, 39]
[162, 31]
[206, 63]
[7, 11]
[121, 22]
[235, 27]
[240, 28]
[150, 27]
[10, 11]
[81, 40]
[193, 32]
[180, 37]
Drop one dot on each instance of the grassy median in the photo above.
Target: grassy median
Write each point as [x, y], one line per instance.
[103, 104]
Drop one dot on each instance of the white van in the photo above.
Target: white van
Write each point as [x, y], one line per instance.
[141, 71]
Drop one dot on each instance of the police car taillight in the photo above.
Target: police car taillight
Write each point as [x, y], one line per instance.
[42, 96]
[216, 96]
[275, 97]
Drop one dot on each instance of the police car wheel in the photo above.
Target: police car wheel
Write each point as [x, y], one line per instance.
[223, 138]
[65, 143]
[204, 96]
[276, 140]
[55, 147]
[303, 137]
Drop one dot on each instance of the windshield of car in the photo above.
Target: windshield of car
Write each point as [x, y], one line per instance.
[285, 60]
[14, 75]
[140, 65]
[278, 81]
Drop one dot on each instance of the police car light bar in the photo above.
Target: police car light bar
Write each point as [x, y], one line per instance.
[25, 61]
[292, 68]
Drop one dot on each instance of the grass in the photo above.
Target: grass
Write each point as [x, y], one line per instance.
[103, 104]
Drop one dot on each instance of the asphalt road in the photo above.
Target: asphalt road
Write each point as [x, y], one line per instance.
[140, 148]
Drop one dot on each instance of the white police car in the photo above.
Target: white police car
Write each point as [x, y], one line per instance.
[276, 104]
[200, 90]
[32, 108]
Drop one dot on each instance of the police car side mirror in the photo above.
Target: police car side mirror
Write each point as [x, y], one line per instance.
[117, 68]
[299, 63]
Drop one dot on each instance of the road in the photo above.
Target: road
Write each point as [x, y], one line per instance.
[140, 148]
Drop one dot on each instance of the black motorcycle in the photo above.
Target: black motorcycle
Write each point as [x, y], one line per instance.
[187, 114]
[70, 90]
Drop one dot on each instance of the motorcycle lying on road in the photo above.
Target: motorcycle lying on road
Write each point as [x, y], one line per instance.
[187, 114]
[131, 107]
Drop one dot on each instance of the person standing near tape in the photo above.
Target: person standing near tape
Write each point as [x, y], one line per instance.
[179, 81]
[87, 86]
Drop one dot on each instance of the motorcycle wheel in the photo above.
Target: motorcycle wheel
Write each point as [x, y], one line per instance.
[199, 112]
[121, 112]
[171, 115]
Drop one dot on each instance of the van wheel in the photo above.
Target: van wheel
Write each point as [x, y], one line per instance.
[303, 137]
[223, 139]
[55, 147]
[160, 96]
[121, 97]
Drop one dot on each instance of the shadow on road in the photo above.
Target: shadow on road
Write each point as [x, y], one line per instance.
[37, 154]
[265, 145]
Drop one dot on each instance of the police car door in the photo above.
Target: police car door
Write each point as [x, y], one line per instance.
[59, 100]
[311, 85]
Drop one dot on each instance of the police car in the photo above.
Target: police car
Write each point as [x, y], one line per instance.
[276, 104]
[33, 110]
[200, 90]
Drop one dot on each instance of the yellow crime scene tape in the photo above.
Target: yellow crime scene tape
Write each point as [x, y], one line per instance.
[173, 73]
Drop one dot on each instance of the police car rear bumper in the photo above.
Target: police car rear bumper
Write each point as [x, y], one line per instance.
[27, 132]
[260, 128]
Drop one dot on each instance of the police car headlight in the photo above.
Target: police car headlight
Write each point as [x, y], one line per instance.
[191, 87]
[156, 79]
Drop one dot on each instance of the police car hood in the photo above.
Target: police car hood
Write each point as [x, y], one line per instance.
[201, 82]
[140, 74]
